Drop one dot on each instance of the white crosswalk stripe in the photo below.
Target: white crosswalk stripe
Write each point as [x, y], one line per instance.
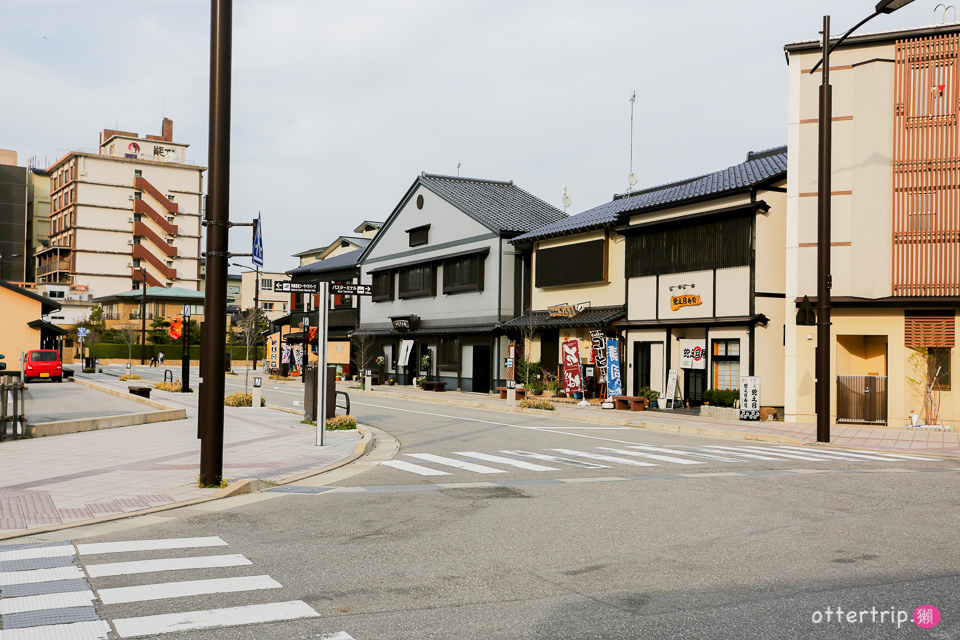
[28, 598]
[603, 457]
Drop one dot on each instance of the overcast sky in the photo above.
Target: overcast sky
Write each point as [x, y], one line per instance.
[338, 106]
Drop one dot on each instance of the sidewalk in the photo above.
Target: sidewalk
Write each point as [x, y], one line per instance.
[854, 436]
[82, 477]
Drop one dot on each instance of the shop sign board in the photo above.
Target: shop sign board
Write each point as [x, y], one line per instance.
[614, 384]
[286, 286]
[693, 354]
[670, 396]
[599, 344]
[567, 310]
[749, 398]
[678, 302]
[571, 366]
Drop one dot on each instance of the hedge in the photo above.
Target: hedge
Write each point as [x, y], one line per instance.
[109, 351]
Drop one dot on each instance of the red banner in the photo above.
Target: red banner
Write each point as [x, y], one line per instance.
[176, 326]
[571, 366]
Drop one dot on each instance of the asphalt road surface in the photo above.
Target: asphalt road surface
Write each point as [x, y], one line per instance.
[489, 525]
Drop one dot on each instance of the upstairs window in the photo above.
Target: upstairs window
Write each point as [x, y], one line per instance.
[572, 264]
[382, 286]
[266, 284]
[418, 282]
[463, 274]
[418, 235]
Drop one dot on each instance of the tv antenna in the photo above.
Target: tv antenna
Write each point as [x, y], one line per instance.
[565, 198]
[632, 178]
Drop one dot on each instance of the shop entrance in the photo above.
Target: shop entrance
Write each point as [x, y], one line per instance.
[481, 368]
[695, 381]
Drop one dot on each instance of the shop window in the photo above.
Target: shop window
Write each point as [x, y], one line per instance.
[580, 263]
[681, 246]
[938, 367]
[447, 353]
[463, 274]
[726, 364]
[382, 286]
[418, 282]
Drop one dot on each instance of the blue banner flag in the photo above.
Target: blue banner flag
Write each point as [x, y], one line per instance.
[258, 242]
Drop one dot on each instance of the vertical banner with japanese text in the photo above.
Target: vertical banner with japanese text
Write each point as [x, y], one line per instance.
[749, 398]
[614, 384]
[571, 366]
[598, 341]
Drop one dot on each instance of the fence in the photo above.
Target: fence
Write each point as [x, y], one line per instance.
[862, 399]
[12, 417]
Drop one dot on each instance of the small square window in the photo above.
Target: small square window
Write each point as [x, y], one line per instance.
[137, 173]
[419, 235]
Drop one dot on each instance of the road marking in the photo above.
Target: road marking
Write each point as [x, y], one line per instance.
[165, 564]
[733, 452]
[685, 451]
[600, 456]
[211, 618]
[652, 456]
[779, 454]
[413, 468]
[49, 601]
[148, 545]
[35, 553]
[520, 464]
[457, 464]
[94, 630]
[870, 456]
[162, 591]
[555, 459]
[10, 578]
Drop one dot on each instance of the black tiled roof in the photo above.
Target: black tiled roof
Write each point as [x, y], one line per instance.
[429, 331]
[342, 261]
[499, 205]
[760, 167]
[594, 317]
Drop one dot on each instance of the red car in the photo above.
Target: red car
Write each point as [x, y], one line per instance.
[43, 363]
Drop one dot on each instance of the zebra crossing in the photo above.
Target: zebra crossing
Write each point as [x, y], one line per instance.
[629, 455]
[49, 592]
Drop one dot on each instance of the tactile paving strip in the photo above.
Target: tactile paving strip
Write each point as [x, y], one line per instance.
[49, 617]
[44, 588]
[35, 563]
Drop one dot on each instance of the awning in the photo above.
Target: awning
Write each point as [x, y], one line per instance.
[731, 321]
[43, 325]
[429, 331]
[591, 318]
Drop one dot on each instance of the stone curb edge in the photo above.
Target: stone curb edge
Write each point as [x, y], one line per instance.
[43, 429]
[250, 485]
[120, 394]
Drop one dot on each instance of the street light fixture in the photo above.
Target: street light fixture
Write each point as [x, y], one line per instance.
[824, 221]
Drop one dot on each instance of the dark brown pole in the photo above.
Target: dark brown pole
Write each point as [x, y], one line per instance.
[823, 244]
[212, 346]
[143, 314]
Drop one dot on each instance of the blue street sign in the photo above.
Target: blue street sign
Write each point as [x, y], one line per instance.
[81, 333]
[258, 242]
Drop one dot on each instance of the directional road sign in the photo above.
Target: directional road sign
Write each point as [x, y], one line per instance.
[351, 289]
[294, 287]
[258, 242]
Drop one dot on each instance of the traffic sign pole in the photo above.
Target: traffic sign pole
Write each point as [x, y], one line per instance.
[322, 328]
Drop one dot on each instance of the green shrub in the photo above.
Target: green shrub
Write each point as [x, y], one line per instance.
[536, 403]
[648, 393]
[341, 422]
[240, 399]
[130, 376]
[89, 370]
[172, 387]
[721, 397]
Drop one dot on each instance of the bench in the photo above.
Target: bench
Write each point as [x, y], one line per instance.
[433, 385]
[521, 393]
[633, 403]
[143, 392]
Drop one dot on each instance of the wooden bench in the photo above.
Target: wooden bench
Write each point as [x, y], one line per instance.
[433, 385]
[521, 393]
[633, 403]
[143, 392]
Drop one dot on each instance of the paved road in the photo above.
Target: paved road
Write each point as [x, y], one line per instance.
[492, 525]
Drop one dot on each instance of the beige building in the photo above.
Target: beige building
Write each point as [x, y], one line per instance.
[895, 241]
[275, 305]
[129, 213]
[342, 245]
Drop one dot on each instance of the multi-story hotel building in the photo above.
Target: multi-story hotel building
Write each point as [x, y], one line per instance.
[129, 213]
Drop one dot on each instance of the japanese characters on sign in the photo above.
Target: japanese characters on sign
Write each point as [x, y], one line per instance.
[598, 341]
[614, 385]
[670, 396]
[749, 398]
[693, 354]
[571, 366]
[677, 302]
[511, 367]
[285, 286]
[567, 310]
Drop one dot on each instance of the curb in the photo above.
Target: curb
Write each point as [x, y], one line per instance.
[44, 429]
[249, 485]
[120, 394]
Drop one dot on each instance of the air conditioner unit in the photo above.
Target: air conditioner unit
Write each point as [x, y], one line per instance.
[129, 241]
[130, 198]
[130, 220]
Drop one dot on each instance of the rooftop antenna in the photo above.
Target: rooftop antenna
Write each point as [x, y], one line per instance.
[565, 198]
[945, 8]
[458, 168]
[632, 178]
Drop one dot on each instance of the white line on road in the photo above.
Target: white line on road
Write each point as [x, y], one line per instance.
[47, 601]
[162, 591]
[165, 564]
[767, 452]
[652, 456]
[148, 545]
[685, 451]
[870, 456]
[59, 551]
[555, 459]
[520, 464]
[95, 630]
[457, 464]
[733, 452]
[210, 618]
[413, 468]
[9, 578]
[600, 456]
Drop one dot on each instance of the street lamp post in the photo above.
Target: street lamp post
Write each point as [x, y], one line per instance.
[824, 215]
[143, 313]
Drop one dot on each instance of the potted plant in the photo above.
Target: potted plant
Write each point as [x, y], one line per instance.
[425, 363]
[419, 381]
[649, 394]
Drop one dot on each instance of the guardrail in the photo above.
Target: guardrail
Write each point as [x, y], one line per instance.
[12, 417]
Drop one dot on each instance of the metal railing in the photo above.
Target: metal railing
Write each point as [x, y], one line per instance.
[12, 419]
[862, 399]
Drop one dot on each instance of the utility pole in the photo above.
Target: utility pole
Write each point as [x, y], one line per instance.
[256, 309]
[143, 314]
[213, 346]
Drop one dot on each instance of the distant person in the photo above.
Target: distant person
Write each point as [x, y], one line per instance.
[153, 360]
[161, 358]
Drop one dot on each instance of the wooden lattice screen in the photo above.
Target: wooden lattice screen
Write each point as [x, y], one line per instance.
[929, 329]
[926, 168]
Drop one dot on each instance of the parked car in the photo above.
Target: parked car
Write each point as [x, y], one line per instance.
[43, 363]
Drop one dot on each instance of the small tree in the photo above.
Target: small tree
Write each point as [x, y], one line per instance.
[927, 364]
[362, 350]
[95, 324]
[159, 332]
[252, 323]
[527, 369]
[128, 335]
